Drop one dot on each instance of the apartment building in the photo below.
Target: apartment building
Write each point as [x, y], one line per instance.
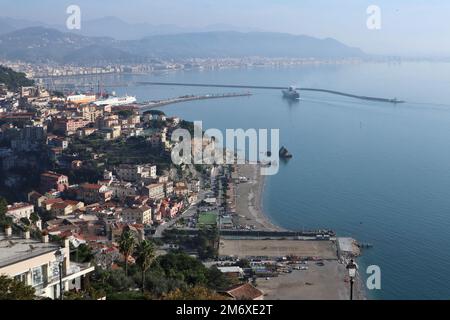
[35, 263]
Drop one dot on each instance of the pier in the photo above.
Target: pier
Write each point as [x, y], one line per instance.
[159, 103]
[389, 100]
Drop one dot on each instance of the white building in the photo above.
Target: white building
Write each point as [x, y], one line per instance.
[131, 172]
[141, 215]
[122, 190]
[20, 210]
[35, 263]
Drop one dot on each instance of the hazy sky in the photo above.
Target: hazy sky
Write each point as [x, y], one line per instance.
[408, 27]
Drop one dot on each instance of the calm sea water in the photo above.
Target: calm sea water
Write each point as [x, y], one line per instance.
[377, 172]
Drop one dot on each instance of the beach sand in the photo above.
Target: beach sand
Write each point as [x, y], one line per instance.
[248, 202]
[327, 282]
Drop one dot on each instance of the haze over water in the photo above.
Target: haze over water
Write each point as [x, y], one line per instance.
[377, 172]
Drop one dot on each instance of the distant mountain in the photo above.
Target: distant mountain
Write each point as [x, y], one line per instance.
[45, 44]
[8, 24]
[237, 44]
[39, 44]
[121, 30]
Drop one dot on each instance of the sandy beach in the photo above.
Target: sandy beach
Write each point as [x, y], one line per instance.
[327, 282]
[249, 199]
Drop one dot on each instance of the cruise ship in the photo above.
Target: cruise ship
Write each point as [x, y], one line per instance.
[291, 93]
[116, 101]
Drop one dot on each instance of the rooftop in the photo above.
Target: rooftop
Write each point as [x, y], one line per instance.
[15, 249]
[245, 292]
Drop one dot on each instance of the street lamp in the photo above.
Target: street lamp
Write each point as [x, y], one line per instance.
[59, 255]
[352, 267]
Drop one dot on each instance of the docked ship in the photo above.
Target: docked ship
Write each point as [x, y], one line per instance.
[116, 101]
[291, 93]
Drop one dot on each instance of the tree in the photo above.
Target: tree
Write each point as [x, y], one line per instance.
[193, 293]
[217, 280]
[12, 289]
[34, 217]
[126, 246]
[3, 208]
[145, 254]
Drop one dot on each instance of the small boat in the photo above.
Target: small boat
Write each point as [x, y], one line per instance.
[284, 153]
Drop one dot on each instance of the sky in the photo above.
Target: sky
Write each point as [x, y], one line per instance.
[407, 27]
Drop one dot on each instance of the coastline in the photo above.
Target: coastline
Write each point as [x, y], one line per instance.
[249, 199]
[249, 205]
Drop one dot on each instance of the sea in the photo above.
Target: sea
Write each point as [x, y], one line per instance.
[377, 172]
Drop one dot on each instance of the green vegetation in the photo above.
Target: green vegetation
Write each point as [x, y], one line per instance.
[125, 114]
[167, 276]
[145, 253]
[134, 150]
[207, 219]
[4, 220]
[126, 246]
[205, 241]
[81, 254]
[12, 289]
[195, 293]
[13, 80]
[155, 112]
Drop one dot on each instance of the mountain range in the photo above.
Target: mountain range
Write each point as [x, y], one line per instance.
[117, 28]
[48, 44]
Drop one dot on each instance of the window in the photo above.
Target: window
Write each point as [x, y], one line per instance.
[37, 276]
[21, 277]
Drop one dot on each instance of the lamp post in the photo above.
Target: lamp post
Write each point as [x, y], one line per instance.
[60, 259]
[352, 267]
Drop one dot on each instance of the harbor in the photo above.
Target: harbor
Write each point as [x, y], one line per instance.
[159, 103]
[290, 92]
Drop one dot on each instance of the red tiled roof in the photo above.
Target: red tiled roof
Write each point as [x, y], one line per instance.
[91, 186]
[244, 292]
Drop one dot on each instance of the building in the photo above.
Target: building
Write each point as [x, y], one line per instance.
[52, 180]
[20, 210]
[69, 126]
[90, 112]
[91, 193]
[155, 191]
[122, 190]
[141, 215]
[134, 172]
[30, 138]
[34, 263]
[81, 98]
[66, 207]
[233, 272]
[245, 292]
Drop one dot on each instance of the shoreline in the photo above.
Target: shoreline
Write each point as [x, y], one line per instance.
[250, 209]
[249, 201]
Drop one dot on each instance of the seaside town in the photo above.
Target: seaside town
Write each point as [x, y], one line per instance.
[55, 70]
[92, 207]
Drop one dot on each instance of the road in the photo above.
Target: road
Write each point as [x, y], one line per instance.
[189, 212]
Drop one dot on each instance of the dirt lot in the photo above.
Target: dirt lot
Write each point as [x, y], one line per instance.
[278, 248]
[327, 282]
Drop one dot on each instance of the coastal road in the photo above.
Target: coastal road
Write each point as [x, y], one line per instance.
[189, 212]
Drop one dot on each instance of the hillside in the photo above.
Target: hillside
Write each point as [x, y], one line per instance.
[40, 44]
[12, 79]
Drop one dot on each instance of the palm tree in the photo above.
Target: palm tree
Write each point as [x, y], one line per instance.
[145, 253]
[126, 247]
